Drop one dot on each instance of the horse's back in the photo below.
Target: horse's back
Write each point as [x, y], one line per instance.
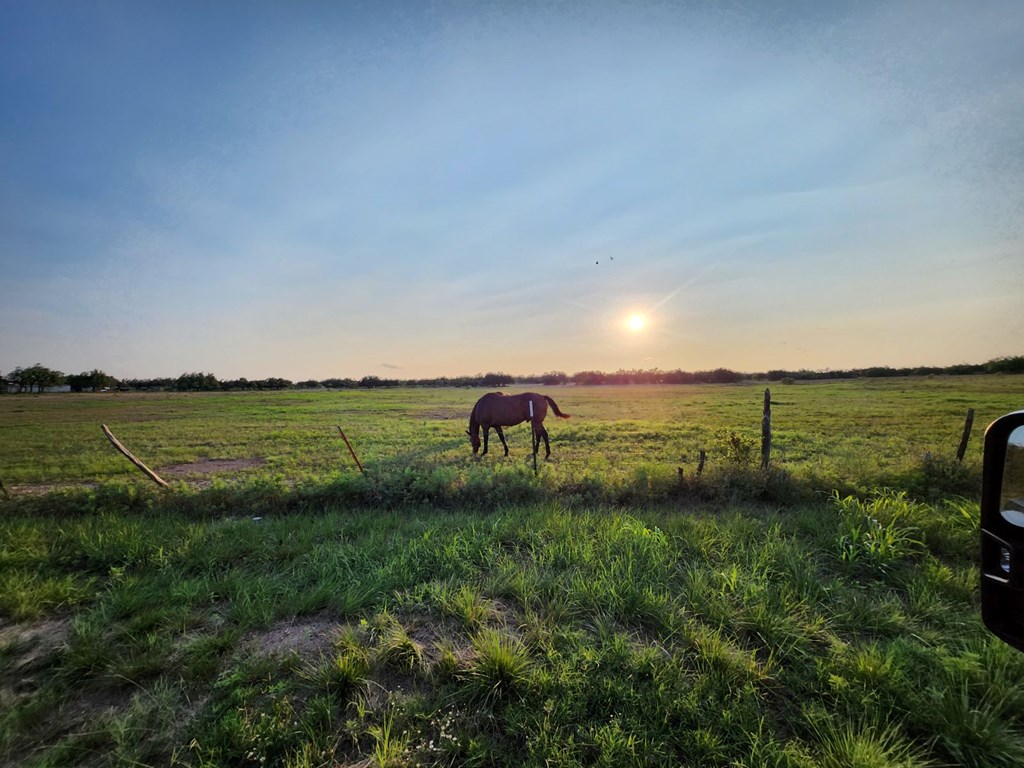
[502, 409]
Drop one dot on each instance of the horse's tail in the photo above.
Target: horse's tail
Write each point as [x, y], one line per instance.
[554, 407]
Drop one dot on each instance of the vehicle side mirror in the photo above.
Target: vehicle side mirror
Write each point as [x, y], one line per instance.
[1002, 530]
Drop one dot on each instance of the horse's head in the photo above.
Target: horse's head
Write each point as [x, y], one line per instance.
[474, 439]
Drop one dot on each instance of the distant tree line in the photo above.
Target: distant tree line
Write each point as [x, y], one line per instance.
[727, 376]
[38, 378]
[207, 382]
[998, 365]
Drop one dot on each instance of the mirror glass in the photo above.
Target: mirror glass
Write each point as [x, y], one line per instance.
[1012, 496]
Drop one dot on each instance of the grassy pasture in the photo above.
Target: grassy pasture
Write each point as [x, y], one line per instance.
[854, 435]
[444, 610]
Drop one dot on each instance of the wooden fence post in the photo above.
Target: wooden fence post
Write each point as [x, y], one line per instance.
[700, 461]
[534, 437]
[350, 450]
[766, 430]
[128, 455]
[966, 436]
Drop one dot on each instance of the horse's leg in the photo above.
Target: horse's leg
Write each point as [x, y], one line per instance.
[487, 432]
[502, 436]
[547, 445]
[536, 438]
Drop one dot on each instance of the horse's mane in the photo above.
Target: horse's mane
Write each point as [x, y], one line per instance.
[473, 421]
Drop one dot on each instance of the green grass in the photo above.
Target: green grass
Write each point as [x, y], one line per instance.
[444, 610]
[853, 435]
[536, 635]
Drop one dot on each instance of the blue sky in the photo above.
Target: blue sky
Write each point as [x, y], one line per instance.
[417, 189]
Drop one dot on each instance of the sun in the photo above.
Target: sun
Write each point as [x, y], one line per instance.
[636, 322]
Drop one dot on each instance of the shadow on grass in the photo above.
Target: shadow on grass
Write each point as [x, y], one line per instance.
[478, 487]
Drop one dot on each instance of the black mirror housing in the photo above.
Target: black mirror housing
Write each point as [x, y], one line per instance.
[1002, 536]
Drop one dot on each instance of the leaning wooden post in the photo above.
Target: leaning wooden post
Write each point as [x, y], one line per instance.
[766, 430]
[966, 436]
[701, 457]
[128, 455]
[4, 490]
[350, 450]
[535, 438]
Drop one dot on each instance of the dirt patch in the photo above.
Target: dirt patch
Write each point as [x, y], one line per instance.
[443, 414]
[310, 638]
[210, 467]
[44, 488]
[26, 644]
[26, 652]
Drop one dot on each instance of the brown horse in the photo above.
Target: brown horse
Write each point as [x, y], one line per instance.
[498, 410]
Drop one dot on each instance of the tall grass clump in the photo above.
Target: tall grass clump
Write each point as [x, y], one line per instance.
[874, 536]
[851, 745]
[500, 667]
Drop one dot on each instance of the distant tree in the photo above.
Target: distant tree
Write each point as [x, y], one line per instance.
[876, 372]
[553, 378]
[37, 377]
[722, 376]
[589, 377]
[79, 382]
[196, 382]
[497, 380]
[148, 384]
[1005, 365]
[273, 383]
[440, 382]
[373, 382]
[14, 380]
[623, 376]
[94, 380]
[308, 384]
[339, 383]
[678, 377]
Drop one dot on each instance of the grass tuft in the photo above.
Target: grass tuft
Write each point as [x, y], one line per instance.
[500, 667]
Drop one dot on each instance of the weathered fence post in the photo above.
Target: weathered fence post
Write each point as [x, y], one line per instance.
[966, 436]
[350, 449]
[128, 455]
[535, 438]
[701, 456]
[766, 430]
